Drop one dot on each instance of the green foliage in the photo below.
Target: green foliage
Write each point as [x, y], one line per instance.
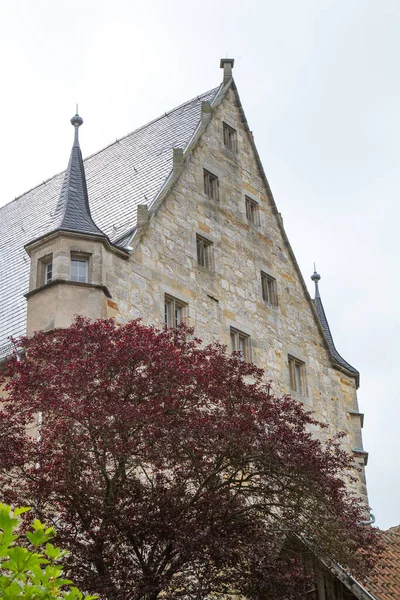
[31, 571]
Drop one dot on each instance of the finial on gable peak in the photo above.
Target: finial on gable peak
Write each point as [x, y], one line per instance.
[227, 65]
[76, 121]
[315, 278]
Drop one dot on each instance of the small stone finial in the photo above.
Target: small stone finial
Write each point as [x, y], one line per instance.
[76, 121]
[315, 278]
[227, 65]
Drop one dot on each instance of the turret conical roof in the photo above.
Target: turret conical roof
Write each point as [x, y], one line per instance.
[73, 204]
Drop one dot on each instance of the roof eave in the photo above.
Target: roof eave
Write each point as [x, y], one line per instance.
[100, 237]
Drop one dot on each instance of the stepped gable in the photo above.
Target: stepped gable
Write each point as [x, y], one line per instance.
[129, 172]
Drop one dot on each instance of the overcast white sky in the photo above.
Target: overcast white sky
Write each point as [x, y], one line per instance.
[319, 82]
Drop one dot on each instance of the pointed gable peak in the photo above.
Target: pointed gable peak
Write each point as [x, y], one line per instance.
[73, 204]
[227, 65]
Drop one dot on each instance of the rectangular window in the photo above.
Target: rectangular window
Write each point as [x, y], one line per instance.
[240, 342]
[175, 311]
[204, 252]
[269, 290]
[252, 211]
[230, 137]
[211, 185]
[48, 272]
[44, 270]
[79, 269]
[297, 371]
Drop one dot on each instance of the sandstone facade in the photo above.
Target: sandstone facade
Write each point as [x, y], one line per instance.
[227, 295]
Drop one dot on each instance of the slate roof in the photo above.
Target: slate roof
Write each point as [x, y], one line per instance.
[328, 336]
[384, 580]
[73, 208]
[129, 172]
[327, 332]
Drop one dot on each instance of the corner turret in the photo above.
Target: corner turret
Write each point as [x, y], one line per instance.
[69, 263]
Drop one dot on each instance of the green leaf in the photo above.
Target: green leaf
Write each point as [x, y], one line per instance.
[54, 553]
[20, 510]
[37, 537]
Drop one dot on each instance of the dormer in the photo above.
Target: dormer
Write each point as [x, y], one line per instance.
[69, 264]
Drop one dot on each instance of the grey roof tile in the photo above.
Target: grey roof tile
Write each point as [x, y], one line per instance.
[329, 339]
[73, 205]
[129, 172]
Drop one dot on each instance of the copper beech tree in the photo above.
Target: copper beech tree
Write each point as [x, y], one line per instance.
[170, 470]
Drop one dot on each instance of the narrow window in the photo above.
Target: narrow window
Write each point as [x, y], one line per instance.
[269, 290]
[45, 270]
[48, 272]
[79, 269]
[230, 137]
[240, 342]
[211, 185]
[175, 311]
[204, 252]
[252, 211]
[297, 371]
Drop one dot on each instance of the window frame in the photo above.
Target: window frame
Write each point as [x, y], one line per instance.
[48, 278]
[252, 211]
[80, 258]
[171, 305]
[297, 375]
[42, 275]
[204, 252]
[210, 184]
[269, 289]
[230, 137]
[241, 342]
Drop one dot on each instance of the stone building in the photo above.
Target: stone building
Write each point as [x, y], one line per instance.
[176, 221]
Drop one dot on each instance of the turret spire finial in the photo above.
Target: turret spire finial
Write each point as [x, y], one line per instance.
[315, 278]
[76, 122]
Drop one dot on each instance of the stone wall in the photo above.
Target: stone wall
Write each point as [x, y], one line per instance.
[165, 262]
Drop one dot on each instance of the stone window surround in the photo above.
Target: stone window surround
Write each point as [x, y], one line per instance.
[274, 294]
[214, 170]
[246, 328]
[262, 267]
[43, 262]
[230, 135]
[83, 256]
[170, 304]
[209, 251]
[186, 299]
[226, 119]
[239, 334]
[252, 196]
[301, 360]
[252, 211]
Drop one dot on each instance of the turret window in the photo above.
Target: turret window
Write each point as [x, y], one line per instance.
[79, 269]
[48, 272]
[45, 270]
